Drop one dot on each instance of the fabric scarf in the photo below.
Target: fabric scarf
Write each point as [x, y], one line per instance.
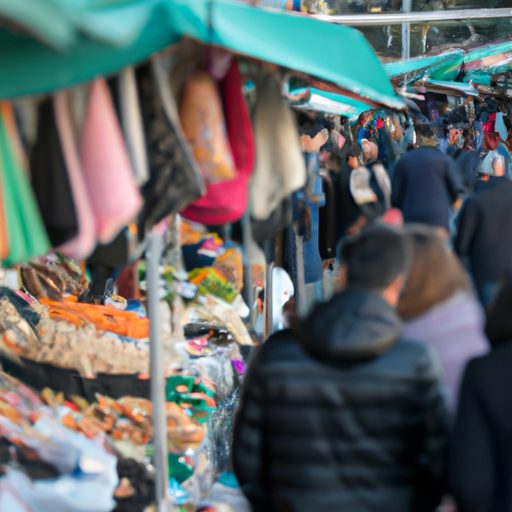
[109, 178]
[83, 244]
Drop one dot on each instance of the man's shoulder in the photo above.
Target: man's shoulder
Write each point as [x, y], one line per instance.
[493, 191]
[414, 356]
[406, 354]
[281, 345]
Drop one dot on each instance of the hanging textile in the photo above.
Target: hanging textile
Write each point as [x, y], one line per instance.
[280, 168]
[226, 202]
[26, 233]
[131, 122]
[83, 244]
[109, 178]
[174, 180]
[4, 236]
[50, 180]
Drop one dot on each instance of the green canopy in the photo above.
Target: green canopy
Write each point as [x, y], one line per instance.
[482, 64]
[448, 87]
[331, 103]
[440, 67]
[65, 42]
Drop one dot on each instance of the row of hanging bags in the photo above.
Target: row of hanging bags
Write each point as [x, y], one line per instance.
[227, 189]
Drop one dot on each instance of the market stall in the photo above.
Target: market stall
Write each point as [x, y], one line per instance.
[133, 324]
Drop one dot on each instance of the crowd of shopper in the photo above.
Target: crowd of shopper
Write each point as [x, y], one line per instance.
[396, 394]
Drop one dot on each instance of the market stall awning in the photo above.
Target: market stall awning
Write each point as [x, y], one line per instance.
[59, 43]
[441, 67]
[330, 103]
[448, 87]
[482, 64]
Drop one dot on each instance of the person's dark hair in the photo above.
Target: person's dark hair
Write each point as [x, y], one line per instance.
[375, 257]
[469, 164]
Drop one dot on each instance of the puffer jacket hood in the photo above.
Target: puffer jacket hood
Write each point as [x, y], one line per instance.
[354, 324]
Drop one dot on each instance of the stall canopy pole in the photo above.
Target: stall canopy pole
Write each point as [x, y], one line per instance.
[415, 17]
[248, 290]
[153, 255]
[406, 31]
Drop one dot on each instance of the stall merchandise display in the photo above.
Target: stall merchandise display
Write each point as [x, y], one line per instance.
[159, 147]
[44, 463]
[90, 362]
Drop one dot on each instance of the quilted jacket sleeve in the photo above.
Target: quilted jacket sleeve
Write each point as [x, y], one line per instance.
[471, 469]
[248, 438]
[431, 463]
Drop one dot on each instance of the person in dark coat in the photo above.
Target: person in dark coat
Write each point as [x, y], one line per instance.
[470, 165]
[483, 241]
[480, 453]
[343, 414]
[426, 185]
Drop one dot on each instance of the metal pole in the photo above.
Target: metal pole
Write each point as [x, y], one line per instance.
[406, 31]
[415, 17]
[248, 290]
[301, 303]
[153, 255]
[268, 310]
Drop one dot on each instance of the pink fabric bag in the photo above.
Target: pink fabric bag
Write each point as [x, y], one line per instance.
[226, 202]
[109, 178]
[84, 243]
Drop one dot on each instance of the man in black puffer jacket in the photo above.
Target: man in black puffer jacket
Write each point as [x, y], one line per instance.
[342, 414]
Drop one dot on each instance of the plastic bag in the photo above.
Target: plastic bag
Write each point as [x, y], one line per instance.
[218, 370]
[220, 429]
[200, 483]
[222, 494]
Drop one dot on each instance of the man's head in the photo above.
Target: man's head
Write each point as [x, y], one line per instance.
[377, 259]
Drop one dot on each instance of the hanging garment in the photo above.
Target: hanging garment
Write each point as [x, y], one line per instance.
[109, 178]
[226, 202]
[278, 220]
[4, 236]
[203, 126]
[131, 121]
[327, 219]
[26, 233]
[14, 127]
[78, 97]
[489, 125]
[26, 112]
[280, 168]
[308, 218]
[83, 244]
[50, 180]
[174, 180]
[500, 127]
